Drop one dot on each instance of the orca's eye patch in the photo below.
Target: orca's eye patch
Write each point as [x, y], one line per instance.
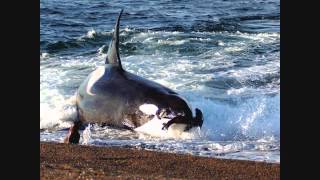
[149, 109]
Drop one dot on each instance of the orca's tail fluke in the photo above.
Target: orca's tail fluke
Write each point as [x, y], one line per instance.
[113, 56]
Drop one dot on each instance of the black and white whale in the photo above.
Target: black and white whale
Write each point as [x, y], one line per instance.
[112, 96]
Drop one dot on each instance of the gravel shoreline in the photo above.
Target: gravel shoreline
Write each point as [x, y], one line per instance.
[66, 161]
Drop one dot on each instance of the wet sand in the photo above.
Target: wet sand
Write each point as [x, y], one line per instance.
[63, 161]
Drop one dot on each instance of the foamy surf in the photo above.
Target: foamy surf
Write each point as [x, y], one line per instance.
[62, 115]
[230, 115]
[86, 135]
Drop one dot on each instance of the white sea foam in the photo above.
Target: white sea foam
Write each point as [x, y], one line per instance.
[44, 56]
[233, 49]
[101, 49]
[221, 43]
[172, 42]
[91, 33]
[59, 114]
[86, 135]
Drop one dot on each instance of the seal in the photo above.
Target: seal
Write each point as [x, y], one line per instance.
[114, 97]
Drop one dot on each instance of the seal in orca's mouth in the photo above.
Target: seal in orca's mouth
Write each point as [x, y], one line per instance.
[180, 118]
[165, 117]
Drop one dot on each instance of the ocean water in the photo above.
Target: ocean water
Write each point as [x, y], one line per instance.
[222, 56]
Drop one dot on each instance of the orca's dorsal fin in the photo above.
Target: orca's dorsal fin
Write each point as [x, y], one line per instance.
[113, 56]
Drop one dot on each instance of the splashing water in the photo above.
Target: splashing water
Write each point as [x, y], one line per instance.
[86, 135]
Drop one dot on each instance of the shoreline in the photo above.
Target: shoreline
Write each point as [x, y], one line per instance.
[67, 161]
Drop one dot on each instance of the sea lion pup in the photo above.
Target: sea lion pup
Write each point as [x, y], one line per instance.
[112, 96]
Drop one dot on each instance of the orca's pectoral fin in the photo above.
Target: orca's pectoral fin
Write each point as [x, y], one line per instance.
[178, 119]
[167, 125]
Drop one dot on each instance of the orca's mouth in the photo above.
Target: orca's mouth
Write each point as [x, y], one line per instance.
[180, 118]
[166, 117]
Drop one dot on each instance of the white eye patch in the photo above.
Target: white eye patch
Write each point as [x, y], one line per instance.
[149, 109]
